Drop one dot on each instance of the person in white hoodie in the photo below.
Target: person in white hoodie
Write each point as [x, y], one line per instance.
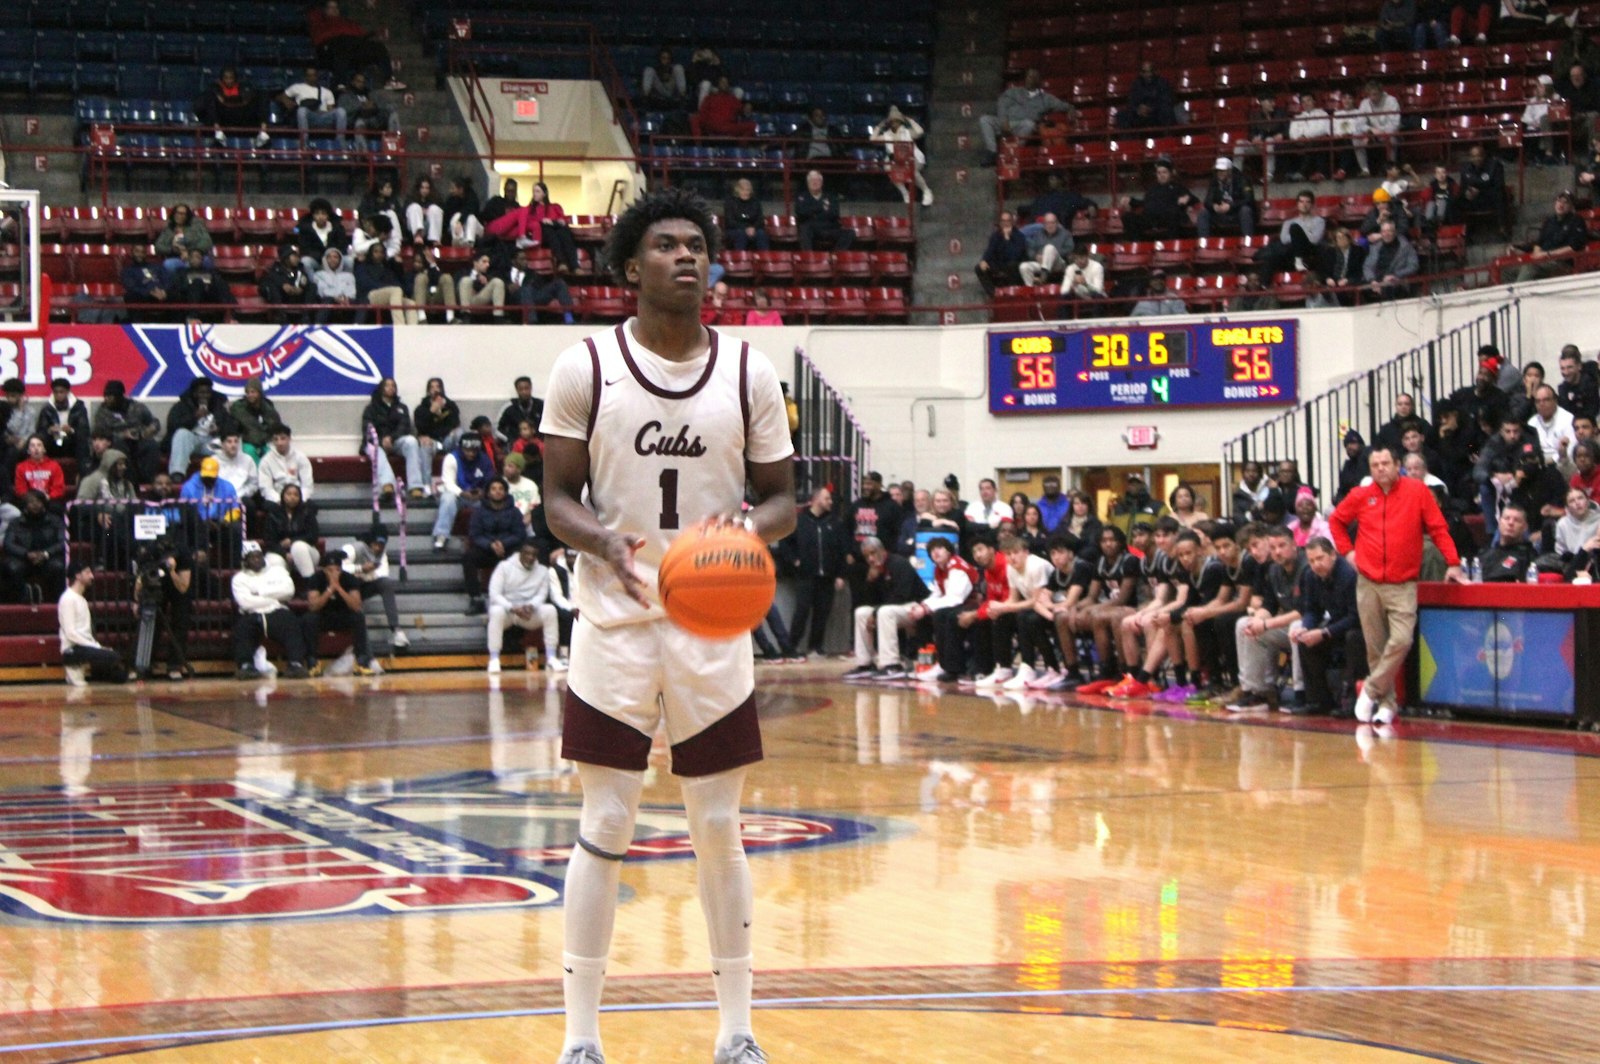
[519, 594]
[281, 465]
[237, 467]
[262, 593]
[335, 285]
[1382, 113]
[81, 654]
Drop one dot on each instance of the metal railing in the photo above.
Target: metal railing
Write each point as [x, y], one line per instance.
[831, 447]
[1313, 433]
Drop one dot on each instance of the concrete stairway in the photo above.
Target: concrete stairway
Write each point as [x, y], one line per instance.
[967, 77]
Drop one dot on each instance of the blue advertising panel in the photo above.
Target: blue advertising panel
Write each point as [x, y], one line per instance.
[1507, 660]
[1118, 367]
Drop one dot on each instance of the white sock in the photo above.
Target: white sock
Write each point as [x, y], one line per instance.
[734, 980]
[582, 980]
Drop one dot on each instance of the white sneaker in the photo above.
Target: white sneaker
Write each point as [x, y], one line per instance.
[1386, 713]
[927, 198]
[993, 679]
[77, 675]
[558, 665]
[400, 642]
[438, 543]
[1044, 680]
[1022, 678]
[743, 1051]
[494, 666]
[218, 136]
[262, 140]
[582, 1055]
[1364, 707]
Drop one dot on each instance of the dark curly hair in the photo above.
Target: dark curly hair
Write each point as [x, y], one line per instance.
[664, 204]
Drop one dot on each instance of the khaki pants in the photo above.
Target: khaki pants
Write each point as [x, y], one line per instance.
[880, 628]
[1388, 622]
[445, 293]
[493, 292]
[394, 297]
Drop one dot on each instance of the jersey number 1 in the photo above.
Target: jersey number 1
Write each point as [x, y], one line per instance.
[669, 499]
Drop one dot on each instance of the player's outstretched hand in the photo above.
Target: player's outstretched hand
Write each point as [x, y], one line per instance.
[618, 554]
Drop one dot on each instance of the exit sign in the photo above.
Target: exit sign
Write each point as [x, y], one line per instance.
[1141, 437]
[525, 110]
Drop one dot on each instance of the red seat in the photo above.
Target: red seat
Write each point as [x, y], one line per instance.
[847, 304]
[812, 265]
[130, 224]
[887, 304]
[853, 266]
[55, 262]
[1171, 254]
[219, 221]
[85, 223]
[781, 228]
[773, 265]
[807, 301]
[891, 266]
[1215, 250]
[738, 264]
[861, 225]
[235, 259]
[1134, 255]
[258, 223]
[95, 263]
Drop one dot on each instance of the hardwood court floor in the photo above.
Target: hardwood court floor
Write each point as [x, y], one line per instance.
[370, 870]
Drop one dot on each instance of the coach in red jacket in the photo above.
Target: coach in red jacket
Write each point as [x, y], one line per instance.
[1390, 516]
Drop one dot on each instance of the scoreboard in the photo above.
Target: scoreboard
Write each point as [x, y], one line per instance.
[1205, 364]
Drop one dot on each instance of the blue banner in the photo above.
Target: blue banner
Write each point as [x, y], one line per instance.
[1508, 660]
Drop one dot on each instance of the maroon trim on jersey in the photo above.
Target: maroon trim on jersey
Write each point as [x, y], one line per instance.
[594, 388]
[744, 388]
[654, 389]
[731, 741]
[596, 738]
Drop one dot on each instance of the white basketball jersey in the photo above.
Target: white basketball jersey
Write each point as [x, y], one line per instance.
[668, 442]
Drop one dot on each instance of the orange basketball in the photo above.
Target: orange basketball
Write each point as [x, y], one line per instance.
[717, 584]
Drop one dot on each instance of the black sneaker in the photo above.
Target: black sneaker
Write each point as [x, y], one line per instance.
[295, 671]
[861, 672]
[476, 607]
[893, 672]
[248, 672]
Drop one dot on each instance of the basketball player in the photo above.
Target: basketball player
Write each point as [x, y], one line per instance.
[1111, 597]
[663, 421]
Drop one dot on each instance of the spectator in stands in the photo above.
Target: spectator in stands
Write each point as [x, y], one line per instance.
[37, 471]
[379, 283]
[256, 417]
[1229, 201]
[1441, 200]
[1299, 238]
[320, 230]
[1049, 247]
[716, 311]
[283, 465]
[1578, 50]
[1019, 111]
[1328, 629]
[1390, 261]
[1061, 200]
[1184, 506]
[1578, 525]
[1481, 12]
[525, 406]
[345, 47]
[367, 560]
[890, 595]
[1385, 208]
[1268, 128]
[336, 287]
[1156, 299]
[1307, 523]
[216, 501]
[1582, 94]
[463, 478]
[195, 424]
[286, 284]
[1253, 295]
[231, 104]
[1433, 23]
[334, 603]
[437, 420]
[1483, 186]
[363, 112]
[1536, 121]
[1578, 392]
[813, 558]
[761, 312]
[1495, 470]
[261, 593]
[315, 107]
[1084, 278]
[1311, 129]
[1150, 101]
[705, 69]
[723, 114]
[1004, 256]
[199, 285]
[1136, 506]
[1344, 265]
[1560, 238]
[519, 595]
[479, 288]
[1031, 531]
[1551, 425]
[1586, 468]
[1405, 417]
[901, 129]
[1586, 173]
[1508, 558]
[83, 657]
[1054, 505]
[1397, 21]
[184, 232]
[1164, 214]
[374, 228]
[461, 209]
[1082, 523]
[817, 215]
[63, 421]
[1251, 492]
[131, 427]
[20, 419]
[524, 491]
[549, 222]
[34, 551]
[1354, 469]
[236, 467]
[1539, 489]
[424, 214]
[1382, 114]
[495, 533]
[144, 288]
[987, 510]
[742, 220]
[665, 87]
[291, 530]
[387, 422]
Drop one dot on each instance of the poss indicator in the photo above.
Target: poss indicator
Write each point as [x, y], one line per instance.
[1086, 368]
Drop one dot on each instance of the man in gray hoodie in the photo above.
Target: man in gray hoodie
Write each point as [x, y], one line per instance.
[334, 285]
[1018, 113]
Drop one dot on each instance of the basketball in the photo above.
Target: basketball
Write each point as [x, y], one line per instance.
[717, 584]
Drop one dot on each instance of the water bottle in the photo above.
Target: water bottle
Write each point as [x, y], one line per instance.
[1533, 573]
[1475, 570]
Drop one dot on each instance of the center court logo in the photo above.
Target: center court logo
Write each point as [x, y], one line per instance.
[221, 851]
